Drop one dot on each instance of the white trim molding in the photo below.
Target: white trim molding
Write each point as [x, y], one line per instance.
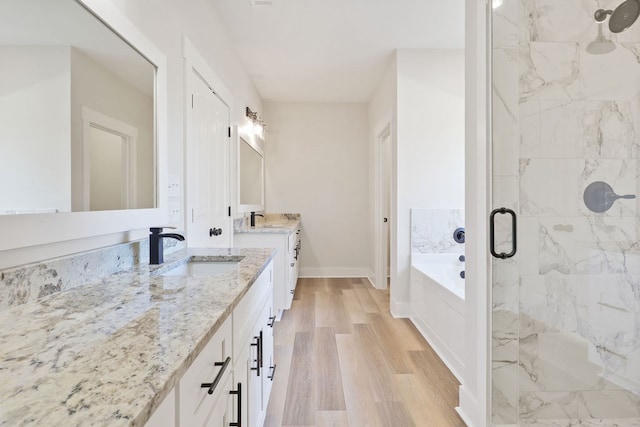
[336, 272]
[475, 397]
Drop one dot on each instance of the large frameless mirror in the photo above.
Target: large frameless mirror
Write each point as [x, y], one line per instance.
[250, 175]
[77, 117]
[82, 123]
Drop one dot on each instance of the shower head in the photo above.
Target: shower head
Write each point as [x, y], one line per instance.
[622, 17]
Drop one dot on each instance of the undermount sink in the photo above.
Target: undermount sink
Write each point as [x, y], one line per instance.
[202, 268]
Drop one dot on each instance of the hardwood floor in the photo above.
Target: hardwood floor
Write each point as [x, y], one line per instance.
[343, 360]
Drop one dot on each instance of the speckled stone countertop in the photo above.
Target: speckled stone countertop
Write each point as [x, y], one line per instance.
[270, 224]
[107, 353]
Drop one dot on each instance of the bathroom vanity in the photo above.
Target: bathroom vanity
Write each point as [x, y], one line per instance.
[145, 347]
[281, 232]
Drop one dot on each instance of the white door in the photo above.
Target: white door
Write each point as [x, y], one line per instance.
[386, 200]
[208, 151]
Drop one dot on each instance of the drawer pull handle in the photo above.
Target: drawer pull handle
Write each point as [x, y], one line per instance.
[258, 359]
[273, 372]
[260, 348]
[238, 392]
[272, 321]
[212, 386]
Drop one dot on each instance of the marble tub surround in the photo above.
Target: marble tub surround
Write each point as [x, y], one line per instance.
[271, 223]
[432, 230]
[108, 352]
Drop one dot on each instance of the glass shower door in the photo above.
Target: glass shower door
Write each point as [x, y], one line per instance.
[565, 119]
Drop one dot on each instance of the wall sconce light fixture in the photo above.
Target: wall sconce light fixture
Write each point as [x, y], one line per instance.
[259, 127]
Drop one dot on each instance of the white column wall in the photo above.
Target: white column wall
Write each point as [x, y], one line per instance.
[430, 147]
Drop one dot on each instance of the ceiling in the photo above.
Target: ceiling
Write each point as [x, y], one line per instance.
[334, 50]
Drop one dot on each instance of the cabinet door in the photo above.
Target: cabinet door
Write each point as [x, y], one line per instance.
[165, 414]
[256, 373]
[240, 381]
[267, 355]
[222, 413]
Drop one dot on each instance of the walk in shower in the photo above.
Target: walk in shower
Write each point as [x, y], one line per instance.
[566, 160]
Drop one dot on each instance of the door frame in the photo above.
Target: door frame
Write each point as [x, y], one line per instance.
[194, 63]
[475, 393]
[129, 135]
[384, 129]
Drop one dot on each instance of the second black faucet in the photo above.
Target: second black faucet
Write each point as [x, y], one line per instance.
[253, 218]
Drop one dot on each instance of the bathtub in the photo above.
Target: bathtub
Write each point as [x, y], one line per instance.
[437, 305]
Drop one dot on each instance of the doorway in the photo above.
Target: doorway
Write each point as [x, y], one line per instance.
[383, 201]
[109, 163]
[208, 139]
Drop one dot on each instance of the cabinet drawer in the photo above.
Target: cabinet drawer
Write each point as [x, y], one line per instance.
[222, 413]
[247, 312]
[196, 403]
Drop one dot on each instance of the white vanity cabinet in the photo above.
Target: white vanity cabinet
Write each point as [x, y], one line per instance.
[229, 382]
[285, 262]
[253, 348]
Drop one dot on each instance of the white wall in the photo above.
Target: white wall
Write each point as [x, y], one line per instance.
[35, 101]
[164, 22]
[430, 147]
[317, 165]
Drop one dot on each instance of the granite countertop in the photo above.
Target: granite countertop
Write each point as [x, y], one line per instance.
[108, 353]
[271, 224]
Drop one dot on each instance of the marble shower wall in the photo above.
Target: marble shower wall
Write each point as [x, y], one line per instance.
[566, 309]
[29, 282]
[432, 230]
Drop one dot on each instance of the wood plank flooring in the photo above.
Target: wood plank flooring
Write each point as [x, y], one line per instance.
[343, 360]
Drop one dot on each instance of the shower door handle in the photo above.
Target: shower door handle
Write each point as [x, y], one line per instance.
[492, 246]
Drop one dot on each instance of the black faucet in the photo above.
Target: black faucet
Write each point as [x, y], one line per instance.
[156, 251]
[253, 218]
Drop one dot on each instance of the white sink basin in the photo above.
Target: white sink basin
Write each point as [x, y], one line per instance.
[202, 268]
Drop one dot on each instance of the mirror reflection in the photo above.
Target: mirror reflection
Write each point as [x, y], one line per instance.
[77, 128]
[251, 175]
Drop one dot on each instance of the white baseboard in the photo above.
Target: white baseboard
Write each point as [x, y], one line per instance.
[400, 309]
[464, 417]
[447, 356]
[468, 407]
[336, 272]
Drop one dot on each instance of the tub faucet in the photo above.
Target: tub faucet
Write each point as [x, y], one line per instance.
[253, 218]
[156, 251]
